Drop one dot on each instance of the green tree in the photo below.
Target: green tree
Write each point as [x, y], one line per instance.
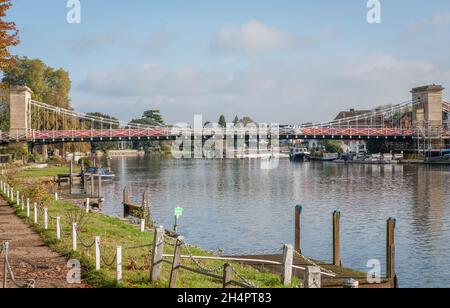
[49, 85]
[333, 146]
[236, 120]
[222, 121]
[247, 120]
[150, 117]
[377, 146]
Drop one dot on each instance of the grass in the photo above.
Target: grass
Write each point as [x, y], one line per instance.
[49, 171]
[136, 262]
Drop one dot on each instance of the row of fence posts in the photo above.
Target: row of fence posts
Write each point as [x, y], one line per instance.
[312, 274]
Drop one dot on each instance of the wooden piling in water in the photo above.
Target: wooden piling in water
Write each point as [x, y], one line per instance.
[390, 252]
[298, 231]
[92, 184]
[337, 239]
[70, 176]
[85, 185]
[100, 187]
[126, 201]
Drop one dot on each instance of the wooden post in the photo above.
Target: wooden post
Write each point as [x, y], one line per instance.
[176, 263]
[142, 225]
[35, 214]
[28, 208]
[88, 205]
[97, 254]
[70, 176]
[390, 251]
[126, 201]
[227, 276]
[298, 230]
[17, 198]
[126, 197]
[157, 254]
[119, 264]
[288, 260]
[92, 184]
[45, 219]
[5, 266]
[58, 228]
[100, 187]
[313, 279]
[74, 237]
[146, 206]
[23, 202]
[85, 187]
[337, 238]
[56, 196]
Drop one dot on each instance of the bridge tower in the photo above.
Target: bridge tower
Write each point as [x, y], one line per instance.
[428, 117]
[20, 112]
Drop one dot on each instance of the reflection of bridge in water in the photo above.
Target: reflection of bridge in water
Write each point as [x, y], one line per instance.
[424, 119]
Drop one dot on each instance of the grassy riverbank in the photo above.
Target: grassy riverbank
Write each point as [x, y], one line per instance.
[115, 232]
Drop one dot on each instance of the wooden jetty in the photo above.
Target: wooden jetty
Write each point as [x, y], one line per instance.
[141, 211]
[340, 276]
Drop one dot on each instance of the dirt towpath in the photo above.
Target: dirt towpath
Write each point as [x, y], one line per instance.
[29, 257]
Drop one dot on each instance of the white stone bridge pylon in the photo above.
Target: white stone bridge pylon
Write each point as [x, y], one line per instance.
[423, 118]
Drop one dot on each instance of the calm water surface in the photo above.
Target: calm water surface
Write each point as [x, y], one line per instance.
[236, 206]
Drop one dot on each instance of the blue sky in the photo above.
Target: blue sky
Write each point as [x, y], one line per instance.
[287, 61]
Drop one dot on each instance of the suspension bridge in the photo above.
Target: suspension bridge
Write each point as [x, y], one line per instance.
[424, 118]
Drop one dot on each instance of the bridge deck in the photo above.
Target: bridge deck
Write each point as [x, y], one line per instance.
[172, 134]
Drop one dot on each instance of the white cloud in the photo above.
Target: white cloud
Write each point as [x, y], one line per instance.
[254, 37]
[438, 21]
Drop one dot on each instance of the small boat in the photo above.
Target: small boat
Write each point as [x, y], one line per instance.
[300, 154]
[106, 174]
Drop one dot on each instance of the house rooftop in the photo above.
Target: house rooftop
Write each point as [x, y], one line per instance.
[351, 113]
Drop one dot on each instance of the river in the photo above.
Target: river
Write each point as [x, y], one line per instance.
[240, 208]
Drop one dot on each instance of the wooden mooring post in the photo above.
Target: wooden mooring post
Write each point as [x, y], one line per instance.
[141, 211]
[126, 200]
[100, 187]
[70, 177]
[85, 185]
[337, 239]
[298, 230]
[390, 253]
[92, 184]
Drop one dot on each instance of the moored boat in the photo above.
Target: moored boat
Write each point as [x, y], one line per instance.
[300, 154]
[105, 174]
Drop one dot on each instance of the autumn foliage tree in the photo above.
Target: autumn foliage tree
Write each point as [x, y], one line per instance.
[8, 37]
